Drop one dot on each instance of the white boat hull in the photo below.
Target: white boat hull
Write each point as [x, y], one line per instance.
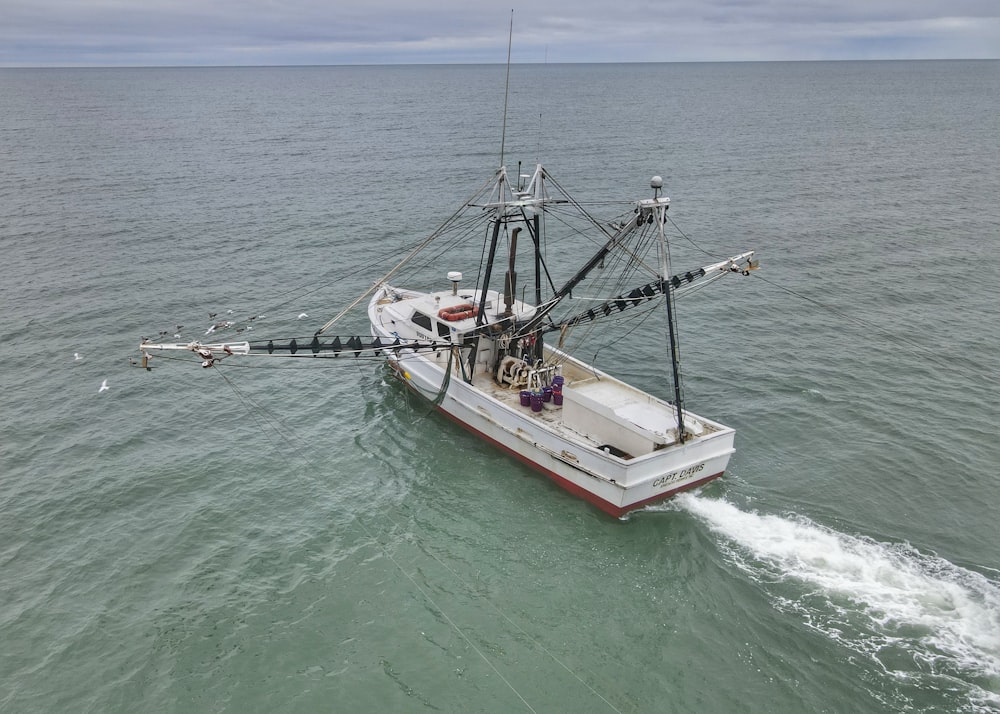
[482, 358]
[549, 444]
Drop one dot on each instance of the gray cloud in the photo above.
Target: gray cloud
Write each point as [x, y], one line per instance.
[227, 32]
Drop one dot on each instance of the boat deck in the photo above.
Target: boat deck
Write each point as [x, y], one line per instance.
[600, 412]
[550, 414]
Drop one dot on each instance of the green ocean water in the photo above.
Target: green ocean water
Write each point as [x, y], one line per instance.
[310, 537]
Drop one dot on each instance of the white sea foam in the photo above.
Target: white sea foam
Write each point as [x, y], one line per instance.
[911, 612]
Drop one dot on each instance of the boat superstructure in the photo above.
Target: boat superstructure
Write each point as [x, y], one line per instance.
[493, 353]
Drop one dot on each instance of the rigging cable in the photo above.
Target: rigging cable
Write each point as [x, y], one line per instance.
[688, 238]
[851, 318]
[251, 406]
[839, 313]
[519, 628]
[427, 241]
[257, 413]
[506, 88]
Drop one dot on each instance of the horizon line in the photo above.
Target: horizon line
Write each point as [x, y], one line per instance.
[474, 64]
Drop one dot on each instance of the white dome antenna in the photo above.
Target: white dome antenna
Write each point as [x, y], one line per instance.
[656, 183]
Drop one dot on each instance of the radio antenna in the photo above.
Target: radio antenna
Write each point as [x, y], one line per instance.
[506, 89]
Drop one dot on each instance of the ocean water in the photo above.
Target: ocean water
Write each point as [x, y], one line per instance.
[289, 537]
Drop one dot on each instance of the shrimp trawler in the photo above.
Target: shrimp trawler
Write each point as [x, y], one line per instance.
[495, 357]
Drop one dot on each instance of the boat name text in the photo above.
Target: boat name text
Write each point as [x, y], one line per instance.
[677, 476]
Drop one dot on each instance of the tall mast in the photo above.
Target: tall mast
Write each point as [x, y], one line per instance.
[502, 174]
[538, 257]
[494, 239]
[506, 89]
[658, 211]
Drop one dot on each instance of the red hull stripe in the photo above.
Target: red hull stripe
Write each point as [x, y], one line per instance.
[576, 490]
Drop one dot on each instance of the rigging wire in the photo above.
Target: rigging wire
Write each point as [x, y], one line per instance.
[864, 323]
[263, 419]
[521, 630]
[288, 435]
[689, 239]
[506, 88]
[310, 288]
[923, 349]
[639, 318]
[416, 251]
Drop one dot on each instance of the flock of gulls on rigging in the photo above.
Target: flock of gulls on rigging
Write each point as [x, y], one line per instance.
[220, 325]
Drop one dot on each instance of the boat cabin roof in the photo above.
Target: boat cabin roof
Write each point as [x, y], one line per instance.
[447, 314]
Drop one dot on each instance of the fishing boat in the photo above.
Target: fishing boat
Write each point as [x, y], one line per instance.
[494, 353]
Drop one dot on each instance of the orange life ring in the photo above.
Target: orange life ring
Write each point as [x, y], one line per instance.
[458, 312]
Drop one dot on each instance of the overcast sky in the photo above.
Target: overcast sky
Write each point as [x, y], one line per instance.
[276, 32]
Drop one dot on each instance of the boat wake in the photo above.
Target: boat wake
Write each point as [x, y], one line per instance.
[922, 619]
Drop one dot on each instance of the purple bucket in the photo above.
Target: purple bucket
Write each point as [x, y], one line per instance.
[557, 398]
[536, 401]
[546, 394]
[525, 398]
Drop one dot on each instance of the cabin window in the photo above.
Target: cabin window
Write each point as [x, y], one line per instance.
[444, 330]
[421, 320]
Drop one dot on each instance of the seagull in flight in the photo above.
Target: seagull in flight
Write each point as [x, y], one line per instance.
[302, 316]
[77, 357]
[104, 387]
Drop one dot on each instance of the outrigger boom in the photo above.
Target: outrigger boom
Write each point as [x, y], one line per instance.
[480, 355]
[312, 346]
[211, 353]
